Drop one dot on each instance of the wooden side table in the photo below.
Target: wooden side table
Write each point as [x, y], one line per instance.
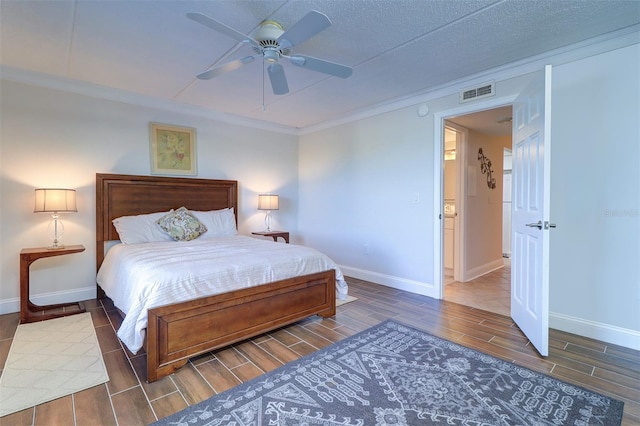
[30, 312]
[274, 234]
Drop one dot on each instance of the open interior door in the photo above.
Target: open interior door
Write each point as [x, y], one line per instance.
[530, 211]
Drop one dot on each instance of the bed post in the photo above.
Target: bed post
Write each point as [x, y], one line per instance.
[99, 232]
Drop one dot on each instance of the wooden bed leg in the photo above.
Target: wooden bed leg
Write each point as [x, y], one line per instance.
[330, 312]
[152, 347]
[155, 372]
[152, 374]
[100, 293]
[327, 314]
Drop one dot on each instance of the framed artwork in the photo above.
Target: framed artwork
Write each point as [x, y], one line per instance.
[173, 149]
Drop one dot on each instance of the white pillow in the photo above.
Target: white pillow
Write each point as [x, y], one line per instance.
[141, 228]
[219, 223]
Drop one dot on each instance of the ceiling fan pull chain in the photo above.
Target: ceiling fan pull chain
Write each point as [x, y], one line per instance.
[264, 108]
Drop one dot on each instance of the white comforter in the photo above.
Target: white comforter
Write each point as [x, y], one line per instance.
[138, 277]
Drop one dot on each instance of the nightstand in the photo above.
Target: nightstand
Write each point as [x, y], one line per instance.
[30, 312]
[274, 234]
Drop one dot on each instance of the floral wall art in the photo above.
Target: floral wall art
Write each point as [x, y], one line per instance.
[173, 149]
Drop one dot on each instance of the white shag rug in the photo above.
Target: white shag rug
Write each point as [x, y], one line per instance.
[51, 359]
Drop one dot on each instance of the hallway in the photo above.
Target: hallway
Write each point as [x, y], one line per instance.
[490, 292]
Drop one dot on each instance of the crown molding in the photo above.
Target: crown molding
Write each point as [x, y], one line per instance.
[117, 95]
[594, 46]
[597, 45]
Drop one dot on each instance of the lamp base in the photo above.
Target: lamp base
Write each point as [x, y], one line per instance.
[56, 229]
[267, 221]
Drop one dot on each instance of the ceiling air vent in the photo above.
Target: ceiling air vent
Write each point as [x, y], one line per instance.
[483, 91]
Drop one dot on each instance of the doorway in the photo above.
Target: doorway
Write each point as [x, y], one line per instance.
[453, 140]
[477, 211]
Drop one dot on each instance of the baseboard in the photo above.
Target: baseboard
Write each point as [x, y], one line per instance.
[603, 332]
[481, 270]
[426, 289]
[9, 306]
[594, 330]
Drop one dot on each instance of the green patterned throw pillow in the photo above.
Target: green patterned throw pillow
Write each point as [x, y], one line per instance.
[181, 225]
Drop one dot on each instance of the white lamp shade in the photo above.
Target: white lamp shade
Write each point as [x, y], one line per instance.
[267, 202]
[55, 200]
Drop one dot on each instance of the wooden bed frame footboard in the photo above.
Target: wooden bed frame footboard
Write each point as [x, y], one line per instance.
[183, 330]
[178, 332]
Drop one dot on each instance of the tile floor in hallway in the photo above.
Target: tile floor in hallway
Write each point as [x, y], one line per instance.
[491, 292]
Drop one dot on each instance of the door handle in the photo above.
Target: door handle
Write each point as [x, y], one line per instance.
[535, 225]
[540, 225]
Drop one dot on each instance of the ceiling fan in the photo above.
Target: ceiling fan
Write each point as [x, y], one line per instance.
[270, 41]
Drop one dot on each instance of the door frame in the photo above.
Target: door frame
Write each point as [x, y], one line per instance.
[438, 177]
[460, 262]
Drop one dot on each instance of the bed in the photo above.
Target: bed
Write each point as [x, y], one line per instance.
[178, 331]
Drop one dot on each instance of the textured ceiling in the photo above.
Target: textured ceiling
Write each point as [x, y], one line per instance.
[493, 122]
[396, 48]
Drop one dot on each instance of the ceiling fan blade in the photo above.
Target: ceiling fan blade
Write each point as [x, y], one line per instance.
[278, 79]
[311, 24]
[229, 66]
[320, 65]
[203, 19]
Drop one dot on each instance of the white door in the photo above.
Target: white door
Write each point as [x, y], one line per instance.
[530, 211]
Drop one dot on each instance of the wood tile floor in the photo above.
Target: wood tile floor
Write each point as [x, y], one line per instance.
[490, 292]
[128, 400]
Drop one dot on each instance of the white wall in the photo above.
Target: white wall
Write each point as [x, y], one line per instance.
[595, 194]
[358, 180]
[450, 175]
[483, 210]
[359, 184]
[58, 139]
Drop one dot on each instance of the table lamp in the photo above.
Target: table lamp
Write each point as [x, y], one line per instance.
[267, 202]
[55, 201]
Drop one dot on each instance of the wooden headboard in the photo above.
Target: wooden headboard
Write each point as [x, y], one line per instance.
[128, 195]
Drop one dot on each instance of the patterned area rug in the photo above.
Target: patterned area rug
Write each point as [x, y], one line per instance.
[392, 374]
[51, 359]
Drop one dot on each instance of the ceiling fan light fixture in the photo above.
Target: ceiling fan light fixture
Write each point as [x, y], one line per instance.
[271, 55]
[269, 25]
[267, 35]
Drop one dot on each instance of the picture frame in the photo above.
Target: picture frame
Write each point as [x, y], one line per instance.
[173, 149]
